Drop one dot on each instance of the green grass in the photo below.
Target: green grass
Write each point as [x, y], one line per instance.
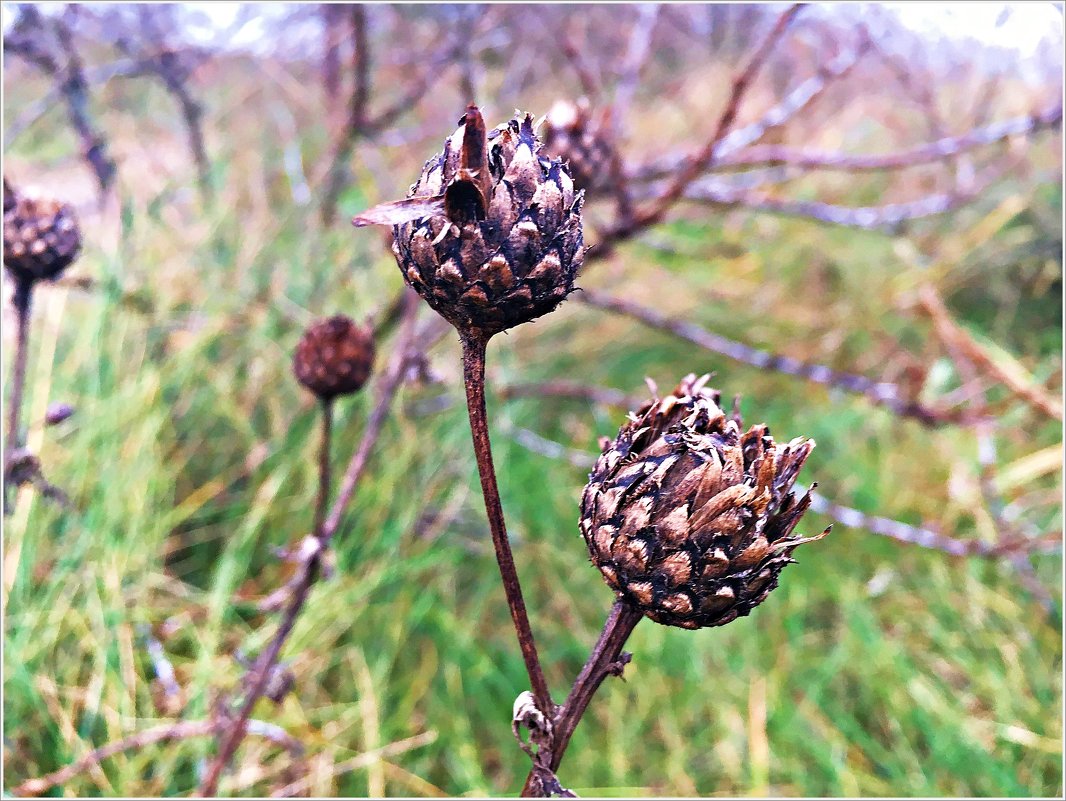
[875, 669]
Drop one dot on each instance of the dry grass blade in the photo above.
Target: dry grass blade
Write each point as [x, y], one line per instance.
[1001, 365]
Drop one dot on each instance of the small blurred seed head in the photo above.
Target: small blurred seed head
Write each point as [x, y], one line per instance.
[572, 134]
[506, 244]
[334, 357]
[41, 237]
[687, 518]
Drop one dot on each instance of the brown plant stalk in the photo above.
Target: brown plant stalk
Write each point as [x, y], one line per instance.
[606, 659]
[21, 301]
[316, 545]
[167, 732]
[474, 379]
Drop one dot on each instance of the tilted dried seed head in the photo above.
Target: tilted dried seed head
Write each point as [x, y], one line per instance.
[334, 357]
[570, 133]
[687, 518]
[490, 234]
[41, 237]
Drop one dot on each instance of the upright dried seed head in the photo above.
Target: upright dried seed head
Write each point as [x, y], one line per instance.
[334, 357]
[571, 133]
[490, 235]
[41, 237]
[686, 517]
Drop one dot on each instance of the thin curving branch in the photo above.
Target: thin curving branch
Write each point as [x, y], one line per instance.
[880, 393]
[314, 547]
[168, 732]
[946, 147]
[606, 659]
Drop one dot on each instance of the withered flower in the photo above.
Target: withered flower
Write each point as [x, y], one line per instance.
[689, 519]
[490, 234]
[334, 357]
[41, 237]
[583, 141]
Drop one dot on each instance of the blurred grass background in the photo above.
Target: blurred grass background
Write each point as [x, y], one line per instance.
[875, 669]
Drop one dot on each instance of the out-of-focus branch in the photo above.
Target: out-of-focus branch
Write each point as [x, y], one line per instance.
[24, 40]
[157, 734]
[886, 218]
[636, 56]
[927, 537]
[705, 157]
[570, 389]
[1004, 368]
[312, 550]
[173, 68]
[764, 155]
[792, 104]
[361, 123]
[878, 392]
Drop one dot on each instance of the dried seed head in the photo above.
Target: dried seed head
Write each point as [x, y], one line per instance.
[688, 518]
[490, 234]
[334, 357]
[570, 133]
[41, 237]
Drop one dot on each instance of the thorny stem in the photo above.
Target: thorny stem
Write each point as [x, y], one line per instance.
[474, 378]
[324, 531]
[605, 660]
[21, 301]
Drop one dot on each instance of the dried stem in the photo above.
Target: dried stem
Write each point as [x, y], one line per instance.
[313, 548]
[323, 466]
[157, 734]
[21, 300]
[699, 162]
[474, 378]
[766, 155]
[878, 392]
[605, 660]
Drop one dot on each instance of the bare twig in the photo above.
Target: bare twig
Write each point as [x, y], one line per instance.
[636, 56]
[606, 659]
[569, 389]
[361, 761]
[474, 380]
[70, 81]
[706, 156]
[765, 155]
[157, 734]
[21, 300]
[792, 104]
[926, 537]
[880, 393]
[313, 550]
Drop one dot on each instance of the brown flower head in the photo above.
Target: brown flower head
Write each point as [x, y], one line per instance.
[41, 237]
[571, 133]
[334, 357]
[490, 234]
[689, 519]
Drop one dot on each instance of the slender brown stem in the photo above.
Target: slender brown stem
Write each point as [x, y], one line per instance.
[21, 301]
[164, 733]
[605, 660]
[474, 378]
[323, 466]
[259, 676]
